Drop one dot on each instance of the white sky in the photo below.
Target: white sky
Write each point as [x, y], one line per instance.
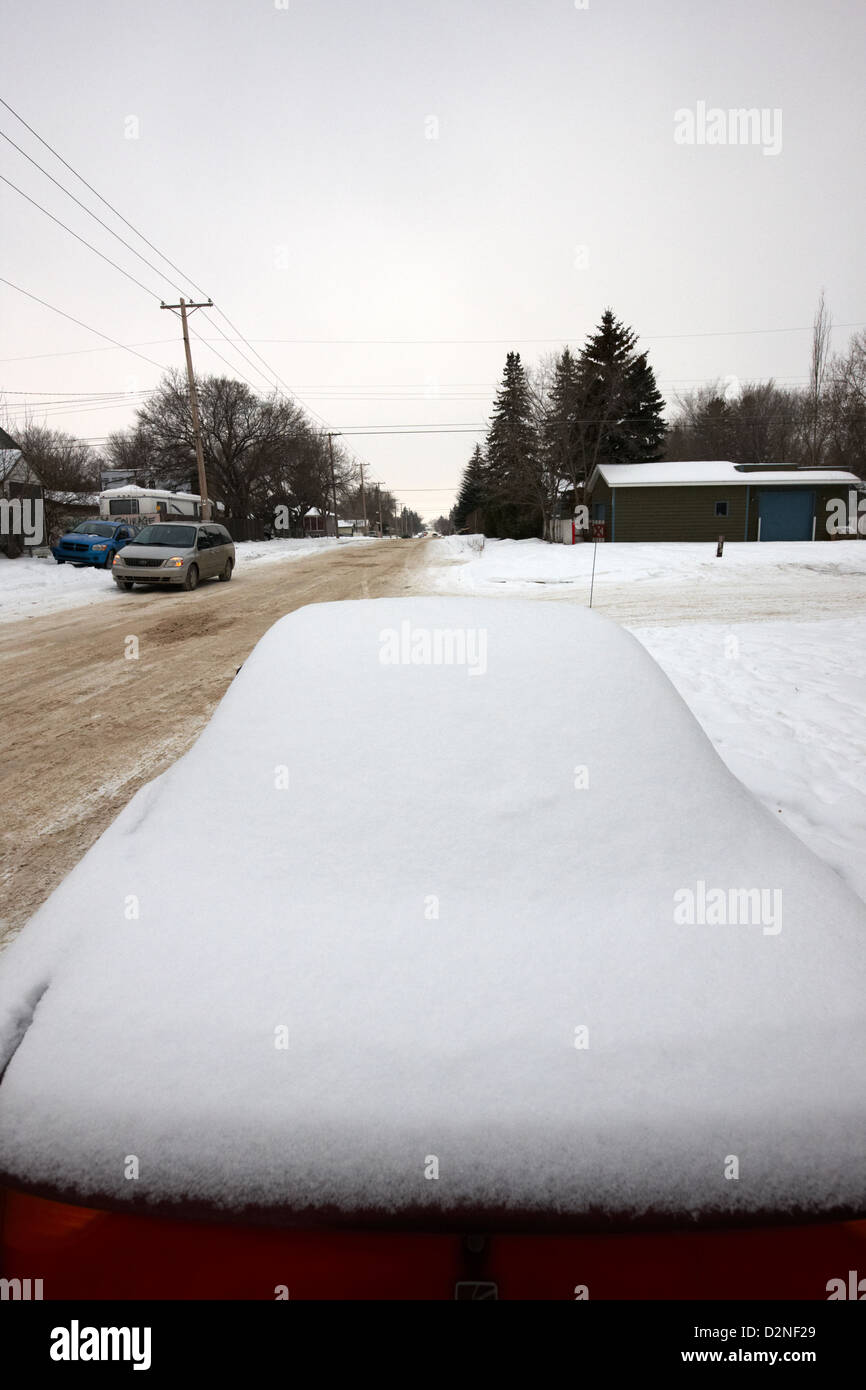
[297, 138]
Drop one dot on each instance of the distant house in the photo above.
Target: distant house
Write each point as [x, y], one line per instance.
[318, 523]
[700, 501]
[21, 501]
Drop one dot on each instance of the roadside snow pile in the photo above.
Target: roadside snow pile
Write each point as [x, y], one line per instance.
[551, 955]
[31, 587]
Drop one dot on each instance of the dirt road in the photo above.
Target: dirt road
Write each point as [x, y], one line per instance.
[84, 725]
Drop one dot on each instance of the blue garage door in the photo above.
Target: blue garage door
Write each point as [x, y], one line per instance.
[786, 514]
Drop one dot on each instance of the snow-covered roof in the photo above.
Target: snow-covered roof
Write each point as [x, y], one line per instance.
[131, 490]
[713, 473]
[548, 998]
[314, 511]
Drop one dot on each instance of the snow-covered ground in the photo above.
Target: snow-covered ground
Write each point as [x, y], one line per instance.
[784, 702]
[663, 582]
[32, 587]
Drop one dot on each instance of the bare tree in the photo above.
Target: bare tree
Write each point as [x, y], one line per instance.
[816, 425]
[64, 465]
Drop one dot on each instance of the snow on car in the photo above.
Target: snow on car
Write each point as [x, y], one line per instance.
[552, 968]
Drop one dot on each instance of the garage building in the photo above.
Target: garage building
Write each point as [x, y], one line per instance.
[698, 501]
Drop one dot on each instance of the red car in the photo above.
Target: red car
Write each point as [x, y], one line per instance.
[550, 1007]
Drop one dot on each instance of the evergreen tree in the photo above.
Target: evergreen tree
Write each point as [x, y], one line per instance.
[559, 431]
[513, 458]
[470, 499]
[620, 414]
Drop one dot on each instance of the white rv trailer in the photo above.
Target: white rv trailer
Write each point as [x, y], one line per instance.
[143, 505]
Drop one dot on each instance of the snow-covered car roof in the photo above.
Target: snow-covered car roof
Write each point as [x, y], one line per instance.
[486, 972]
[715, 473]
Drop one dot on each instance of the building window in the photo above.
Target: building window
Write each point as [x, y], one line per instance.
[721, 509]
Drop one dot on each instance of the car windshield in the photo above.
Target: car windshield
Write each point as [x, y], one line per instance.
[178, 537]
[93, 528]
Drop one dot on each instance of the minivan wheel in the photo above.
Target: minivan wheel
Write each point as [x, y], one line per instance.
[191, 577]
[227, 572]
[109, 559]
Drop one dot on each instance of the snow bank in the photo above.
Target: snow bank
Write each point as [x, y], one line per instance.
[31, 587]
[522, 567]
[460, 980]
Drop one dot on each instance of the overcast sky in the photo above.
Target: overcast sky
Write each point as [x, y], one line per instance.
[493, 172]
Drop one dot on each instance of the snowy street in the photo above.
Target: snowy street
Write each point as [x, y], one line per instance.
[32, 586]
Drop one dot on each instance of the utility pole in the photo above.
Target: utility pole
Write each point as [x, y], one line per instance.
[363, 499]
[187, 306]
[333, 486]
[379, 502]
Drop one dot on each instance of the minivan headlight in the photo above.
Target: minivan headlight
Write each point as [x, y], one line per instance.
[176, 562]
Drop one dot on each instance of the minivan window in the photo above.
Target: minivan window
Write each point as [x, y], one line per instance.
[178, 537]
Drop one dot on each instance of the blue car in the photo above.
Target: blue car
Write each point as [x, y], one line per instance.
[93, 543]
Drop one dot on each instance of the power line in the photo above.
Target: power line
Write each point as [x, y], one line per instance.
[518, 338]
[105, 201]
[126, 273]
[88, 210]
[141, 236]
[473, 429]
[83, 240]
[79, 395]
[87, 326]
[85, 352]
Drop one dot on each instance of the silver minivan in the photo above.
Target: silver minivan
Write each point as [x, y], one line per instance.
[171, 552]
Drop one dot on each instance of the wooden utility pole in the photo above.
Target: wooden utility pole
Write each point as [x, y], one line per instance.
[333, 486]
[363, 499]
[186, 306]
[379, 503]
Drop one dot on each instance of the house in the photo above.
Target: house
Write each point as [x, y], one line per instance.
[317, 523]
[21, 501]
[700, 501]
[314, 522]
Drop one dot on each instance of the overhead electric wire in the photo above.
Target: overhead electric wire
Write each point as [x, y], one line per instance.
[87, 326]
[82, 239]
[126, 273]
[91, 213]
[518, 338]
[167, 260]
[125, 243]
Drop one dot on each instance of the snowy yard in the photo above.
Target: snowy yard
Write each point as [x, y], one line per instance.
[30, 588]
[677, 581]
[784, 702]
